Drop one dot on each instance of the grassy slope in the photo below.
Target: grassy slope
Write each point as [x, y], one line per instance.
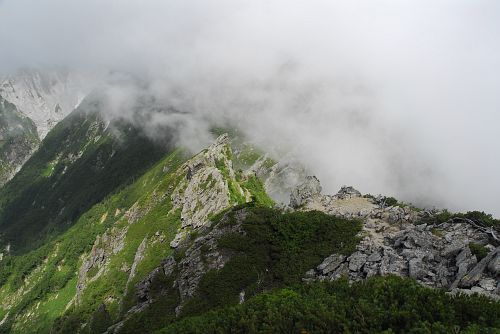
[38, 285]
[54, 284]
[77, 165]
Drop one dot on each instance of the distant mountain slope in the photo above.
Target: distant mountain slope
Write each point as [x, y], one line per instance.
[44, 95]
[18, 139]
[106, 231]
[41, 98]
[79, 163]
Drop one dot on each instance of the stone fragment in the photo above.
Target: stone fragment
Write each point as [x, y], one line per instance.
[494, 265]
[474, 275]
[416, 268]
[308, 189]
[356, 261]
[331, 263]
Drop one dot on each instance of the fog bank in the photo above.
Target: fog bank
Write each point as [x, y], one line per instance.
[392, 97]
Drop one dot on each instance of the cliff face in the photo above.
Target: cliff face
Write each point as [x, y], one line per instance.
[18, 139]
[32, 102]
[45, 96]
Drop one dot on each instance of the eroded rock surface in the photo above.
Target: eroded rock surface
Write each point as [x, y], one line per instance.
[204, 188]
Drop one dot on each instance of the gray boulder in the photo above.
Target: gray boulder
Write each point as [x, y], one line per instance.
[310, 188]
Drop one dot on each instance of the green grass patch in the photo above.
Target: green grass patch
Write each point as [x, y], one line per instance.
[478, 250]
[256, 188]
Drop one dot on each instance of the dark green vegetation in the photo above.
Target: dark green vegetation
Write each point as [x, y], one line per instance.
[78, 164]
[276, 250]
[478, 250]
[477, 217]
[391, 201]
[18, 138]
[378, 305]
[49, 273]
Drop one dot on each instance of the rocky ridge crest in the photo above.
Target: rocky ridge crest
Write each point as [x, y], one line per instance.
[395, 241]
[206, 187]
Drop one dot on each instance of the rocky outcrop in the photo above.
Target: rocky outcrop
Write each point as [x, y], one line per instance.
[112, 242]
[93, 266]
[139, 255]
[46, 96]
[281, 178]
[201, 255]
[347, 203]
[207, 186]
[306, 192]
[394, 242]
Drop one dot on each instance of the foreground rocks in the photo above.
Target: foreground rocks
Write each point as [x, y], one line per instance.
[395, 242]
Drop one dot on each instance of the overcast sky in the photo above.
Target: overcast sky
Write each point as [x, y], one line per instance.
[395, 97]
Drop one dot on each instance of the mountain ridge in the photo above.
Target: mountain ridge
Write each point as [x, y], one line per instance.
[190, 234]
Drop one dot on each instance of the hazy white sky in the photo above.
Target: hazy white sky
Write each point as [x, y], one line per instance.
[395, 97]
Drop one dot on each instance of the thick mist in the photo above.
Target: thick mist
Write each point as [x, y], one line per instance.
[393, 97]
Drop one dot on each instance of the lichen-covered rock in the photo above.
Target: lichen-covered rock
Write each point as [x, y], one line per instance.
[201, 255]
[110, 243]
[494, 265]
[475, 275]
[347, 192]
[307, 191]
[207, 186]
[331, 263]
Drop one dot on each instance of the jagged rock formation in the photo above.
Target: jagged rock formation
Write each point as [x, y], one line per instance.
[202, 186]
[307, 192]
[209, 186]
[281, 179]
[393, 242]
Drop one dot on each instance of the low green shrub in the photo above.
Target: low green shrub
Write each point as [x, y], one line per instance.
[377, 305]
[276, 250]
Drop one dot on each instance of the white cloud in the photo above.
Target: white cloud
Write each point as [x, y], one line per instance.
[398, 97]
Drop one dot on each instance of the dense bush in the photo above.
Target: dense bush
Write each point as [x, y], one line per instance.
[478, 217]
[276, 250]
[378, 305]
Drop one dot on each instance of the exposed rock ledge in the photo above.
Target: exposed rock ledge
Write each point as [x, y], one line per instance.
[204, 189]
